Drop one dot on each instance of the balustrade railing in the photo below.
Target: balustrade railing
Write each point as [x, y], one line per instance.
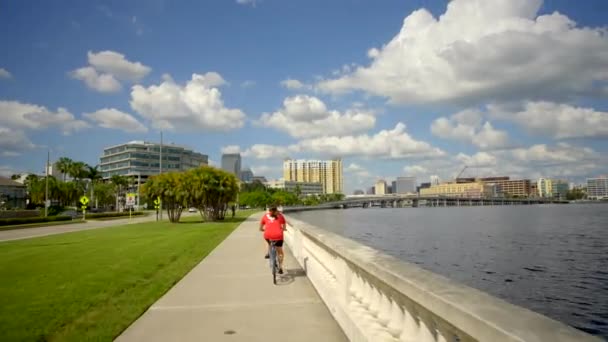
[375, 297]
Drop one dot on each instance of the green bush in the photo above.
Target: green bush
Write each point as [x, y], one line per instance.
[26, 220]
[113, 214]
[53, 210]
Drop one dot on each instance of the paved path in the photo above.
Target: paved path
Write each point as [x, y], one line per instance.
[26, 233]
[229, 296]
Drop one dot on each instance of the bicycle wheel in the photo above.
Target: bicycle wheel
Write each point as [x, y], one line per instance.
[273, 263]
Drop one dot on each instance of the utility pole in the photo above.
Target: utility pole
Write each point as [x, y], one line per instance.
[138, 186]
[46, 190]
[160, 171]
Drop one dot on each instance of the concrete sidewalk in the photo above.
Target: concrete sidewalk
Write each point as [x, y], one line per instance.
[229, 296]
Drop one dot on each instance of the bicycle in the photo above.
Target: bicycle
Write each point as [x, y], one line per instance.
[274, 260]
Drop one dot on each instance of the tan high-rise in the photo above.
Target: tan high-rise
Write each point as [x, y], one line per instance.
[326, 172]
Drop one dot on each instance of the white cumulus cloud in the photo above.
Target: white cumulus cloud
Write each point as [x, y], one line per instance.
[231, 149]
[304, 116]
[293, 84]
[114, 119]
[13, 142]
[5, 74]
[106, 69]
[386, 144]
[468, 126]
[264, 151]
[556, 120]
[196, 105]
[482, 50]
[104, 83]
[14, 114]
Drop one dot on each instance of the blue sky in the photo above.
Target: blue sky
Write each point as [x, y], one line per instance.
[515, 87]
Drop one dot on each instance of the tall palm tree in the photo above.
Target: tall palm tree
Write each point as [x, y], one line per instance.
[78, 170]
[64, 165]
[94, 176]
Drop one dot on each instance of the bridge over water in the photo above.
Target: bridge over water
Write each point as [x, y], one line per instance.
[402, 201]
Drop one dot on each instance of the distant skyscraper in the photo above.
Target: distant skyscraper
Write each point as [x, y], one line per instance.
[405, 185]
[326, 172]
[435, 180]
[597, 188]
[246, 175]
[380, 188]
[231, 162]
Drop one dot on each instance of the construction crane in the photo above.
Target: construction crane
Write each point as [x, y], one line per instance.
[460, 173]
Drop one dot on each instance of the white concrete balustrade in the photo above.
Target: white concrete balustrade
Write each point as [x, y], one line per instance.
[375, 297]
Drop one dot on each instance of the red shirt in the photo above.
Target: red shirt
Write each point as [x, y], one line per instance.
[272, 226]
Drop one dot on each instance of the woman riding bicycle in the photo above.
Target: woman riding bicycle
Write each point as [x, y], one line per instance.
[273, 225]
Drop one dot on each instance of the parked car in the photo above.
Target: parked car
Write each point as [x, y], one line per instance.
[192, 210]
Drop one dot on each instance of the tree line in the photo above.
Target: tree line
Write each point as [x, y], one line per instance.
[257, 195]
[83, 179]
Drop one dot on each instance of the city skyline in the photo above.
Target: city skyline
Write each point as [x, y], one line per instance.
[318, 92]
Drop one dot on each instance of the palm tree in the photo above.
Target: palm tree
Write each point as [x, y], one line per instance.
[64, 165]
[77, 170]
[93, 174]
[119, 181]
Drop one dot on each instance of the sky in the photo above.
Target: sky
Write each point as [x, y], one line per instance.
[394, 88]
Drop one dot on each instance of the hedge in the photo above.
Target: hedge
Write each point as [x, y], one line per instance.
[26, 220]
[113, 214]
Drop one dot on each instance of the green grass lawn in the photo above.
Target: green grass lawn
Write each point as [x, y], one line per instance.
[91, 285]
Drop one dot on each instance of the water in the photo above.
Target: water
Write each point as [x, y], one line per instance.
[552, 259]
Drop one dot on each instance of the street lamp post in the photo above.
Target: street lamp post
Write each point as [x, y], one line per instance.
[46, 190]
[160, 170]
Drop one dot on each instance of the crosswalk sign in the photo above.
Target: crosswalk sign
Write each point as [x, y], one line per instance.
[84, 200]
[157, 203]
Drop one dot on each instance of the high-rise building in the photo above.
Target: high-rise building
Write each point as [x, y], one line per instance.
[143, 158]
[231, 162]
[559, 188]
[510, 187]
[405, 185]
[552, 188]
[358, 192]
[326, 172]
[435, 180]
[371, 190]
[246, 175]
[597, 188]
[380, 187]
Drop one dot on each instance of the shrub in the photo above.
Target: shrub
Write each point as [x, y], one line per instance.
[113, 214]
[27, 220]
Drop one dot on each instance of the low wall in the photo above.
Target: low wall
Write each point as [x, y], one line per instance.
[375, 297]
[19, 213]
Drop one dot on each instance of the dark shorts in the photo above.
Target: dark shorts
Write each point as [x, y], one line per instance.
[278, 243]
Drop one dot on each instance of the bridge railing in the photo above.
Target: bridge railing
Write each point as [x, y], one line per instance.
[375, 297]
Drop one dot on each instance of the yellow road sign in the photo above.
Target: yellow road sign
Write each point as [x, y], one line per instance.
[84, 200]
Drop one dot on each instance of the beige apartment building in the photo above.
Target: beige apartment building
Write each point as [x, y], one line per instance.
[466, 190]
[510, 187]
[305, 188]
[380, 187]
[326, 172]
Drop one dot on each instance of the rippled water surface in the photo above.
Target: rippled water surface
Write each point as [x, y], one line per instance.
[552, 259]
